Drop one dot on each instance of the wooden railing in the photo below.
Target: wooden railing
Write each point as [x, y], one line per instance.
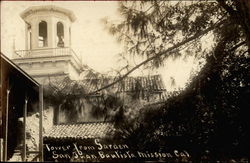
[47, 52]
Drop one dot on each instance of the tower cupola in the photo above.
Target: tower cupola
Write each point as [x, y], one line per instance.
[47, 27]
[48, 53]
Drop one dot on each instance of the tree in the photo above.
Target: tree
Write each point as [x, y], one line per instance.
[158, 29]
[210, 114]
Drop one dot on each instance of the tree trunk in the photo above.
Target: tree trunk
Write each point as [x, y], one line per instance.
[243, 7]
[240, 14]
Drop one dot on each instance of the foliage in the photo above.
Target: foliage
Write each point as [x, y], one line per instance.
[209, 117]
[72, 97]
[152, 27]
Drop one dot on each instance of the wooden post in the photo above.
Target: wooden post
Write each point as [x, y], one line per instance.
[24, 129]
[1, 149]
[41, 123]
[6, 127]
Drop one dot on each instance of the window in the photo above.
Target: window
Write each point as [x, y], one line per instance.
[60, 34]
[42, 38]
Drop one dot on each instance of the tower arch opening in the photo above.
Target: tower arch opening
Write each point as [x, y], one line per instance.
[43, 34]
[60, 34]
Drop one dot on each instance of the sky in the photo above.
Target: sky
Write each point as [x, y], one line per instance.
[90, 39]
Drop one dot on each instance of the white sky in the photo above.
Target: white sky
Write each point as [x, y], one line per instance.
[90, 40]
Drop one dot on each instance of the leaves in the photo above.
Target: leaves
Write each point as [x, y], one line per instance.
[209, 114]
[150, 27]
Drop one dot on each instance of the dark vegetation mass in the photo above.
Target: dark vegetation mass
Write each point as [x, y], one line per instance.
[209, 118]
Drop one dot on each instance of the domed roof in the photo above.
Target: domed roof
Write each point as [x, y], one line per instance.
[52, 8]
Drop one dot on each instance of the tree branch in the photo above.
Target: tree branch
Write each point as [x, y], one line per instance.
[237, 46]
[176, 46]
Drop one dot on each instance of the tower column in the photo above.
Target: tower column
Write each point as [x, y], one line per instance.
[66, 35]
[34, 37]
[50, 32]
[53, 32]
[26, 37]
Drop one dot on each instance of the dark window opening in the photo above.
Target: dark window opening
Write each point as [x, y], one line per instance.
[42, 38]
[60, 34]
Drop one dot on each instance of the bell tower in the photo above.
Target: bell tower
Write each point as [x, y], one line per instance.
[47, 27]
[48, 51]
